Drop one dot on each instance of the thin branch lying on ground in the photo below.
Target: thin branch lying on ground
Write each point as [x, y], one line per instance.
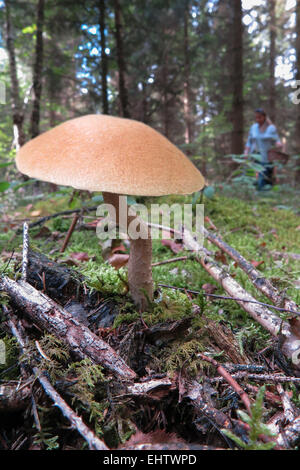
[45, 219]
[260, 282]
[259, 377]
[93, 441]
[25, 251]
[229, 379]
[224, 297]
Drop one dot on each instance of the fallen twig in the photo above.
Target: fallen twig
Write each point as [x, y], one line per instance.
[69, 233]
[25, 251]
[261, 283]
[260, 377]
[224, 297]
[288, 408]
[171, 260]
[223, 372]
[45, 219]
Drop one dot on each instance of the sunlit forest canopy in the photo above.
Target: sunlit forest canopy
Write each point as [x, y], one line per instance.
[193, 70]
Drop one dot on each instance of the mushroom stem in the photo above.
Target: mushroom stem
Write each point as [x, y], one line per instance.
[139, 263]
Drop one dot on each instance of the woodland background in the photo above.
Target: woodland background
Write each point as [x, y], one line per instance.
[194, 70]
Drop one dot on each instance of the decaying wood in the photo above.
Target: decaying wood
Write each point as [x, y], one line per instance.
[160, 440]
[194, 391]
[290, 434]
[144, 388]
[288, 407]
[14, 397]
[51, 317]
[76, 422]
[226, 341]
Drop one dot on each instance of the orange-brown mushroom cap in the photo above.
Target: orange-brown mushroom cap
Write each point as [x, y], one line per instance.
[112, 154]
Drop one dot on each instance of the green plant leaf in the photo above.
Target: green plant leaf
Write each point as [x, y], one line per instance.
[4, 185]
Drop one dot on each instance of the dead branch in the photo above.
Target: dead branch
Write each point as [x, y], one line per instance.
[231, 381]
[93, 441]
[224, 297]
[260, 377]
[288, 408]
[261, 314]
[25, 251]
[261, 283]
[51, 317]
[69, 233]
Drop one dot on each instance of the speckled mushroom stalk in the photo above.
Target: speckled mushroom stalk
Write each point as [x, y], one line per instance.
[139, 263]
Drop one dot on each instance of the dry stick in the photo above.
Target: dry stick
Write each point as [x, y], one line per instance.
[70, 231]
[93, 441]
[53, 318]
[263, 377]
[45, 219]
[289, 410]
[261, 314]
[261, 283]
[171, 260]
[223, 297]
[25, 251]
[223, 372]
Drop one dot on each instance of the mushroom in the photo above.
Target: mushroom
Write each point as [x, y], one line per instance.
[118, 157]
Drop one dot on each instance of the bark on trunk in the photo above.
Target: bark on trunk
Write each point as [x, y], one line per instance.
[186, 85]
[272, 89]
[104, 60]
[123, 93]
[237, 143]
[297, 107]
[37, 71]
[17, 111]
[139, 263]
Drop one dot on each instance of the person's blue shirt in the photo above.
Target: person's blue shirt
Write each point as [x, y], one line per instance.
[261, 141]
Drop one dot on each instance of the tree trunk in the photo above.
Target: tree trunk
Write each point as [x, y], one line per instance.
[237, 144]
[104, 60]
[123, 93]
[186, 85]
[37, 72]
[272, 89]
[297, 107]
[17, 111]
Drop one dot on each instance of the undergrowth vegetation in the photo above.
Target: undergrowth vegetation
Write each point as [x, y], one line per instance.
[262, 231]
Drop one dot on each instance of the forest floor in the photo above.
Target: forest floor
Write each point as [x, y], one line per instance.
[192, 402]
